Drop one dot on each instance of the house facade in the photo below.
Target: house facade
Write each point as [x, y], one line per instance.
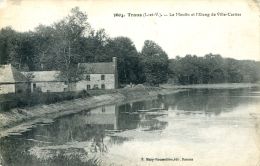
[12, 81]
[101, 75]
[46, 81]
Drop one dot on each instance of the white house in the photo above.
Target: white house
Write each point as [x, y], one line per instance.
[101, 75]
[46, 81]
[11, 80]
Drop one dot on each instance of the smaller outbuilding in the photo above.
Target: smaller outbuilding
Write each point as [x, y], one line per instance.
[12, 81]
[46, 81]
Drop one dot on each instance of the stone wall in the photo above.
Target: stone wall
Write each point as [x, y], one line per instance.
[49, 86]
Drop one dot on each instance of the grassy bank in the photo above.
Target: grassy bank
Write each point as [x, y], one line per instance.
[9, 101]
[23, 100]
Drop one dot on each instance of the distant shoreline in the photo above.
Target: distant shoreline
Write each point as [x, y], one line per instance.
[212, 86]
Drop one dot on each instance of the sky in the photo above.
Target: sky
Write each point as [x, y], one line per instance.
[230, 36]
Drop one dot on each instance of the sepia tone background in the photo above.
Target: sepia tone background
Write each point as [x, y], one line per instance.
[235, 36]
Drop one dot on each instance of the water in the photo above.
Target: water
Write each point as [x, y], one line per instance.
[196, 127]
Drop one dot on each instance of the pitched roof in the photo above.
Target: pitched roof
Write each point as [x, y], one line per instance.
[97, 68]
[43, 76]
[8, 74]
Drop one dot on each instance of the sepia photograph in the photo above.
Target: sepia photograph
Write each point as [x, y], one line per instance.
[129, 83]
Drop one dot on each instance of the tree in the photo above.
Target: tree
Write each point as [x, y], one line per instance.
[129, 66]
[155, 63]
[95, 47]
[16, 48]
[7, 39]
[61, 45]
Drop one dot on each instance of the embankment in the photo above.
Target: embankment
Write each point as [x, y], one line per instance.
[18, 120]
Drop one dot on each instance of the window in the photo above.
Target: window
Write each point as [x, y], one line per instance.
[103, 109]
[102, 77]
[34, 86]
[88, 77]
[102, 86]
[88, 87]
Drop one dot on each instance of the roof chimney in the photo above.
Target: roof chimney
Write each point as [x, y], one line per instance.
[115, 60]
[116, 74]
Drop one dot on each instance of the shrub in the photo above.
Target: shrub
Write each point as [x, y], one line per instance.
[9, 101]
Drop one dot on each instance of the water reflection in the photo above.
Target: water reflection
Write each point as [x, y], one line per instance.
[210, 101]
[93, 134]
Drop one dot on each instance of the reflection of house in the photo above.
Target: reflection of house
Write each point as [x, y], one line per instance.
[46, 81]
[12, 81]
[106, 115]
[98, 75]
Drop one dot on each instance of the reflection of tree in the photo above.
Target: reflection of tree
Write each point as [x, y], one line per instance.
[141, 105]
[98, 144]
[118, 140]
[207, 100]
[13, 151]
[153, 124]
[1, 160]
[130, 118]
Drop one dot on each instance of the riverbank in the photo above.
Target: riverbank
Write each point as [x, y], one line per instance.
[20, 120]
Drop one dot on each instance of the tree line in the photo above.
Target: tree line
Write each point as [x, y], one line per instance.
[72, 40]
[212, 68]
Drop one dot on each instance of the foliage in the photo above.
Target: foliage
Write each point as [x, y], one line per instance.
[155, 63]
[9, 101]
[129, 66]
[212, 69]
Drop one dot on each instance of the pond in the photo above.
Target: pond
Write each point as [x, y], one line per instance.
[195, 127]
